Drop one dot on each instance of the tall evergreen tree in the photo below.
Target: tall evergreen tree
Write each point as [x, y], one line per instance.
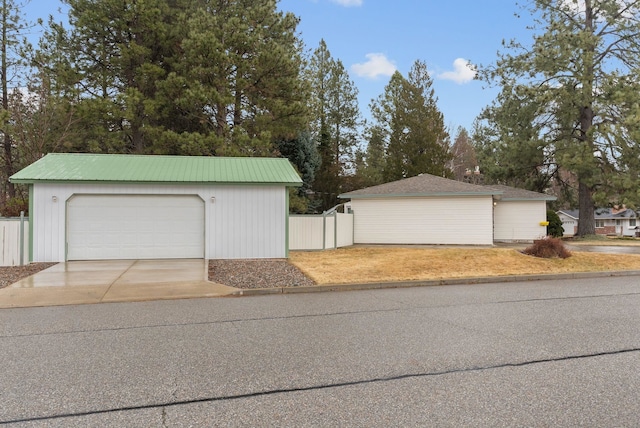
[510, 144]
[372, 166]
[408, 119]
[580, 79]
[13, 28]
[335, 119]
[242, 66]
[180, 77]
[463, 154]
[302, 151]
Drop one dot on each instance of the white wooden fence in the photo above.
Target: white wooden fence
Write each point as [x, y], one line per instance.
[14, 235]
[320, 232]
[306, 232]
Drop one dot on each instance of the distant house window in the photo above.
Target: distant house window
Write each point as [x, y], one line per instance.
[599, 223]
[617, 222]
[632, 222]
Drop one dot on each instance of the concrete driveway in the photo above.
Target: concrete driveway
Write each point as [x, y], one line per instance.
[82, 282]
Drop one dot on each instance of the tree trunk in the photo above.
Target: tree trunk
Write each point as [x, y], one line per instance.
[8, 161]
[586, 221]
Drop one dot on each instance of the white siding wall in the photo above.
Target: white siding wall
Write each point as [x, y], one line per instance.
[519, 220]
[242, 222]
[434, 220]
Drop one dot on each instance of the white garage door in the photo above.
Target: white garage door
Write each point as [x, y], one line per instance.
[135, 227]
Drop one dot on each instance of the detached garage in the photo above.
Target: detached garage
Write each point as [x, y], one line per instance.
[433, 210]
[95, 207]
[425, 209]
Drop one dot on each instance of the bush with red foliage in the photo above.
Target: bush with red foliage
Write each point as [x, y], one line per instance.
[548, 248]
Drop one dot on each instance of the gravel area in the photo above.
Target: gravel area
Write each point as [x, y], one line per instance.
[257, 273]
[11, 274]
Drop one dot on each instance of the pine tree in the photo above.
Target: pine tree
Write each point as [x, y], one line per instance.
[579, 78]
[13, 46]
[335, 119]
[180, 77]
[510, 146]
[463, 153]
[408, 119]
[303, 154]
[372, 164]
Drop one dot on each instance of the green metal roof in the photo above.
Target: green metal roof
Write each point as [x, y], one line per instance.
[82, 167]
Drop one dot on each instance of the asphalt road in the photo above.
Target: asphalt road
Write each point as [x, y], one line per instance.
[547, 353]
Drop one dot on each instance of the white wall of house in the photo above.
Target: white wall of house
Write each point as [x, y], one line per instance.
[618, 226]
[519, 220]
[455, 220]
[240, 222]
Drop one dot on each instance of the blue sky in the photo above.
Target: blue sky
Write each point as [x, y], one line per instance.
[367, 35]
[373, 38]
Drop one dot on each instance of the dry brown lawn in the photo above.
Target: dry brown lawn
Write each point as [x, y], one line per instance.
[360, 265]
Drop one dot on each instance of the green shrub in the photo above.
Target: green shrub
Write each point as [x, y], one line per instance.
[555, 224]
[548, 248]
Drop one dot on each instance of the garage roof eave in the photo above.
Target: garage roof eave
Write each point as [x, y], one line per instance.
[414, 195]
[258, 183]
[154, 169]
[542, 198]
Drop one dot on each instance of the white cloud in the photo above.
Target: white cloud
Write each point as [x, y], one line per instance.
[463, 72]
[376, 65]
[348, 3]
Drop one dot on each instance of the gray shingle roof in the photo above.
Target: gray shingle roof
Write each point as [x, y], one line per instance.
[515, 194]
[421, 185]
[603, 213]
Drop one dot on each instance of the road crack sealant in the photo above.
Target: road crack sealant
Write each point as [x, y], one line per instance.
[164, 406]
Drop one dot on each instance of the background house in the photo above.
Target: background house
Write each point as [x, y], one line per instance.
[91, 207]
[427, 209]
[609, 221]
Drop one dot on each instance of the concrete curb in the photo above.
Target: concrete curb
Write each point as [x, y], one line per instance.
[428, 283]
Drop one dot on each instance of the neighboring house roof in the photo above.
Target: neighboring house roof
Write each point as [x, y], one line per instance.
[421, 185]
[515, 194]
[569, 213]
[82, 167]
[603, 213]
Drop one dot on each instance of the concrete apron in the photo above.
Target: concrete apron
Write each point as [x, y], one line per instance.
[82, 282]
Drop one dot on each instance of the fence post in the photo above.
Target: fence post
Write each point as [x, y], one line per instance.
[335, 229]
[324, 231]
[21, 238]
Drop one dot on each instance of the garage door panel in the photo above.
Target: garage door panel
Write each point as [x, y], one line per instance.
[135, 227]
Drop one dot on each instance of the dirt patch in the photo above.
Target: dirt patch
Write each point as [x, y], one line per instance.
[11, 274]
[257, 273]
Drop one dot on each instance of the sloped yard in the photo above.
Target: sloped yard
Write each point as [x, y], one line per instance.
[384, 264]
